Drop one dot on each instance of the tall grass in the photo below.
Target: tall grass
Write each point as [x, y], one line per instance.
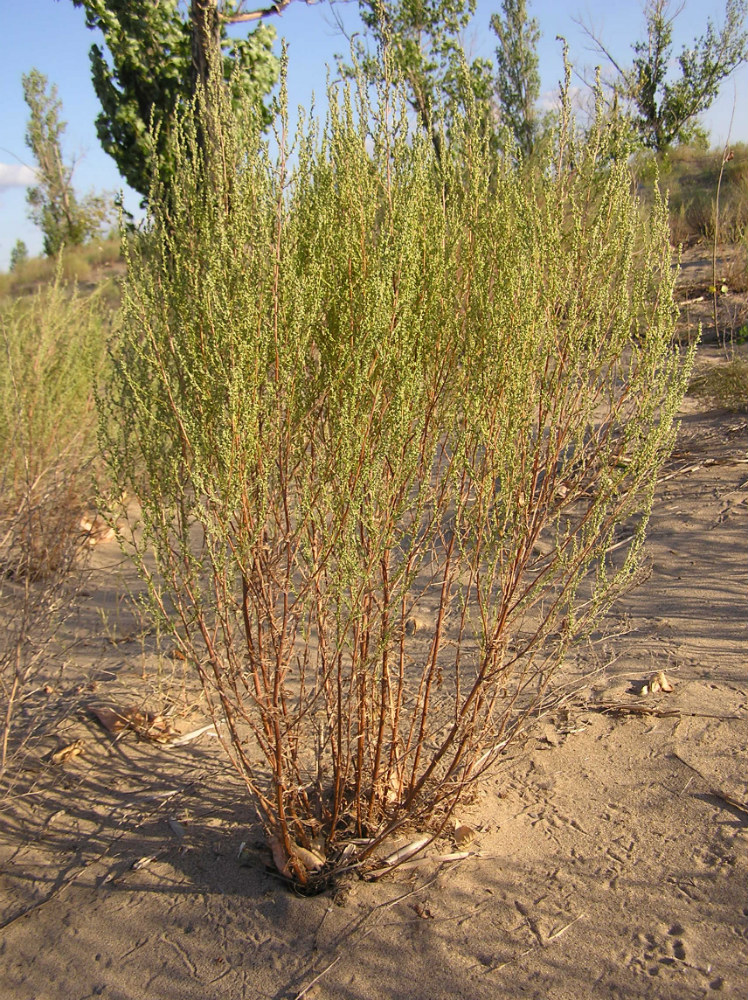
[52, 348]
[383, 416]
[691, 175]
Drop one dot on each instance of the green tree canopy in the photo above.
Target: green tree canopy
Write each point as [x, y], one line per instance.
[147, 72]
[18, 255]
[664, 105]
[422, 38]
[517, 84]
[53, 205]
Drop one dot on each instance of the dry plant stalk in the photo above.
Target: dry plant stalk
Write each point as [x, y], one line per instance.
[36, 593]
[382, 415]
[52, 345]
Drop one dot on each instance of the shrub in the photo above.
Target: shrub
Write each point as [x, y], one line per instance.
[382, 415]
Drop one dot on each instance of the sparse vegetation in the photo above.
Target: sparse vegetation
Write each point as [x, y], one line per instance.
[724, 385]
[52, 350]
[690, 175]
[90, 263]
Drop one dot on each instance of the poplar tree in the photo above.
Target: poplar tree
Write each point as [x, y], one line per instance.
[154, 54]
[53, 204]
[423, 41]
[666, 95]
[517, 81]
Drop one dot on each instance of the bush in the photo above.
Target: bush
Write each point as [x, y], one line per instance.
[382, 415]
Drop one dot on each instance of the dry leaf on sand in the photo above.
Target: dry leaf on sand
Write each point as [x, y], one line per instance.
[142, 862]
[463, 835]
[180, 741]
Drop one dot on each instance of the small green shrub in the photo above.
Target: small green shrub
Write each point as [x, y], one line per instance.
[383, 415]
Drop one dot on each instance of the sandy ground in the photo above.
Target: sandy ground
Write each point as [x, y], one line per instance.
[610, 858]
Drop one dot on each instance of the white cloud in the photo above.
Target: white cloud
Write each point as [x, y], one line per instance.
[16, 175]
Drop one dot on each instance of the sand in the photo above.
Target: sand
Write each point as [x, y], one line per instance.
[609, 857]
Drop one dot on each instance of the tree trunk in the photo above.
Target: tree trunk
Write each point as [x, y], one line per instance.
[206, 42]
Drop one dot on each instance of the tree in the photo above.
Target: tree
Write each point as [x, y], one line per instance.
[422, 38]
[665, 111]
[517, 83]
[53, 204]
[18, 255]
[156, 54]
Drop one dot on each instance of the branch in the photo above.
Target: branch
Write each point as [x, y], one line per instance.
[598, 44]
[661, 6]
[257, 15]
[718, 71]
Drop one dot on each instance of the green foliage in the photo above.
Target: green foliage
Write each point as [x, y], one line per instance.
[422, 40]
[18, 255]
[53, 204]
[517, 84]
[665, 111]
[383, 413]
[147, 75]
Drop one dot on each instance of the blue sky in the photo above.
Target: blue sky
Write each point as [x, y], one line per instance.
[51, 36]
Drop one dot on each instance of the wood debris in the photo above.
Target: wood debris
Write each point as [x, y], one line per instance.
[180, 741]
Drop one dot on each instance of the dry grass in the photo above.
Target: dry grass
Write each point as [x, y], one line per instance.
[690, 176]
[736, 272]
[52, 349]
[82, 264]
[725, 385]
